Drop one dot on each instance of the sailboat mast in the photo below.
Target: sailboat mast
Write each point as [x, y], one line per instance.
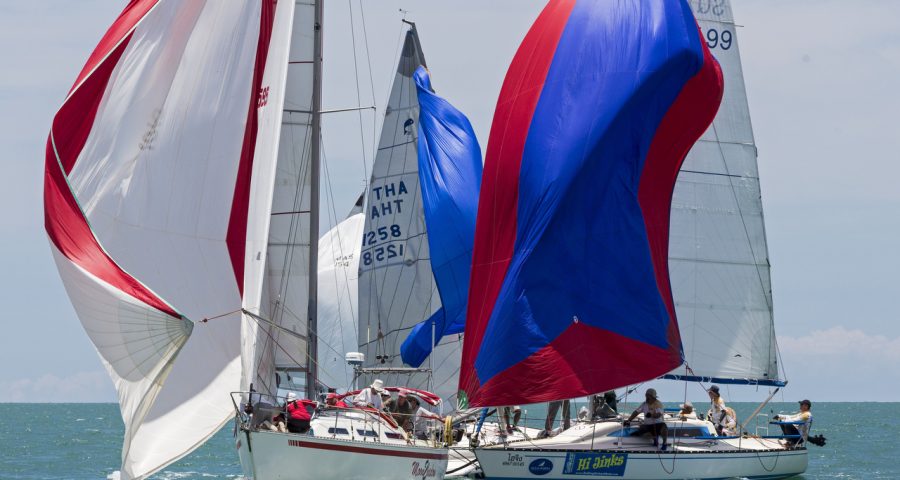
[315, 144]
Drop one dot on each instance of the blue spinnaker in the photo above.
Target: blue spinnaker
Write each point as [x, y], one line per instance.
[450, 178]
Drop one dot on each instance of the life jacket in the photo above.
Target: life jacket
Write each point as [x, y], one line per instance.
[297, 410]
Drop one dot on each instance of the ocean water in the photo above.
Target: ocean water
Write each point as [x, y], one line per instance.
[83, 441]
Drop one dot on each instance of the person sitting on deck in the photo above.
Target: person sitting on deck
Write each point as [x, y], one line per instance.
[403, 410]
[729, 423]
[654, 419]
[298, 416]
[716, 413]
[370, 397]
[687, 411]
[802, 429]
[603, 406]
[276, 424]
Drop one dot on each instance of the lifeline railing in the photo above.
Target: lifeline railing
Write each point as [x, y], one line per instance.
[361, 419]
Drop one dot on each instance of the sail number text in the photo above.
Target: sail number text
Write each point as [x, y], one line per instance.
[382, 253]
[380, 235]
[719, 38]
[705, 7]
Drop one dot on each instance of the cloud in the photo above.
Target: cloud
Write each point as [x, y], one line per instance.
[842, 364]
[844, 343]
[79, 387]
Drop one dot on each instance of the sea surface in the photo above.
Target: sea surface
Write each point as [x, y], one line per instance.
[83, 441]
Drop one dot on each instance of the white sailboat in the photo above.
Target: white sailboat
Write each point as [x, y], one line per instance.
[720, 280]
[181, 193]
[342, 442]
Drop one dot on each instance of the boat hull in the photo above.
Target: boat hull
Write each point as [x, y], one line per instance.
[640, 465]
[284, 456]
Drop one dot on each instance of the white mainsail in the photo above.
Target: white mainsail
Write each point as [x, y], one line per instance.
[718, 257]
[285, 284]
[396, 284]
[158, 188]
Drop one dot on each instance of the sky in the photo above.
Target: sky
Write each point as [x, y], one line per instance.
[821, 78]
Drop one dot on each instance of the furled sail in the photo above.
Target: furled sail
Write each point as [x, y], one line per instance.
[156, 164]
[718, 257]
[396, 286]
[450, 178]
[283, 348]
[570, 290]
[338, 277]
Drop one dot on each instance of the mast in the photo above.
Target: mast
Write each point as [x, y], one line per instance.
[315, 144]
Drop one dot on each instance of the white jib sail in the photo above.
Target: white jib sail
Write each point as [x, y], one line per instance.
[718, 257]
[396, 286]
[150, 189]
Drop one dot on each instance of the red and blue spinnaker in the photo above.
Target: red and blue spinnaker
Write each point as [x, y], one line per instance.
[450, 177]
[569, 293]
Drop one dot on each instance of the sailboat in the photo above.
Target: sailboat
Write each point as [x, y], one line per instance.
[604, 323]
[181, 197]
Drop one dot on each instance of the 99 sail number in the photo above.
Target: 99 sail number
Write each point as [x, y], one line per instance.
[721, 39]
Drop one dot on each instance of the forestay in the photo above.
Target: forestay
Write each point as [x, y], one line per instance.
[718, 258]
[396, 286]
[157, 168]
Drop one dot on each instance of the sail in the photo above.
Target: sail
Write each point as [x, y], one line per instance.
[338, 276]
[450, 178]
[155, 163]
[570, 292]
[718, 256]
[282, 347]
[396, 286]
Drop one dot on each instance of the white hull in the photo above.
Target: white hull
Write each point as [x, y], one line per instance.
[608, 450]
[287, 456]
[462, 460]
[519, 464]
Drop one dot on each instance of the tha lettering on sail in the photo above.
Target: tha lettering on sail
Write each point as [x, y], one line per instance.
[390, 223]
[388, 200]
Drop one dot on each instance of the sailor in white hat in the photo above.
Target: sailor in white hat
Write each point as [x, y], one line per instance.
[370, 396]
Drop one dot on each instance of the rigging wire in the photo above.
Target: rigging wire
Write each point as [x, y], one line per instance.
[362, 13]
[362, 137]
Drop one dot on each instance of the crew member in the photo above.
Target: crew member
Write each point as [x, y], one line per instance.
[716, 413]
[552, 409]
[332, 400]
[420, 419]
[687, 411]
[515, 412]
[654, 419]
[403, 410]
[370, 396]
[297, 415]
[802, 429]
[603, 406]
